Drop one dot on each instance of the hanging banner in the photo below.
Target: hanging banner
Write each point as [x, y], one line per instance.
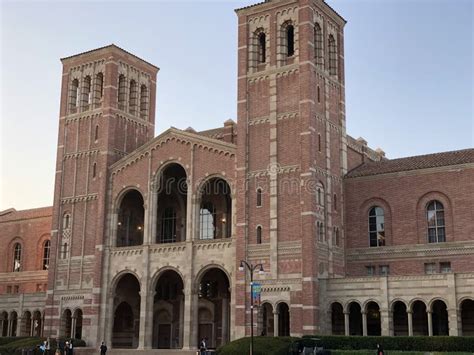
[256, 291]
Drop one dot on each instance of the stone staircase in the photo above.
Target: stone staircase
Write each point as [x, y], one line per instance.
[93, 351]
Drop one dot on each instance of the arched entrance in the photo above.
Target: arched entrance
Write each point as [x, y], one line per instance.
[26, 324]
[467, 317]
[215, 213]
[126, 313]
[14, 324]
[131, 216]
[440, 318]
[214, 308]
[373, 319]
[420, 318]
[337, 319]
[37, 324]
[66, 323]
[172, 205]
[400, 319]
[77, 324]
[4, 320]
[168, 311]
[355, 319]
[265, 320]
[283, 319]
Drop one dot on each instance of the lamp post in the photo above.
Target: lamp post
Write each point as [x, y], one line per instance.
[251, 268]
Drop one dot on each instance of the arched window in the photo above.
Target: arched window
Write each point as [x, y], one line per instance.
[262, 46]
[318, 44]
[336, 236]
[320, 194]
[332, 55]
[143, 101]
[66, 221]
[122, 92]
[96, 135]
[319, 94]
[64, 251]
[319, 142]
[74, 96]
[335, 202]
[207, 218]
[290, 40]
[376, 227]
[259, 235]
[86, 93]
[259, 197]
[46, 251]
[94, 170]
[435, 219]
[99, 89]
[168, 225]
[17, 257]
[133, 97]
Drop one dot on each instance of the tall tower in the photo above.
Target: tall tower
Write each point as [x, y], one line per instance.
[291, 157]
[107, 110]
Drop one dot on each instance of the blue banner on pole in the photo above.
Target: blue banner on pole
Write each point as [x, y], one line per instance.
[256, 291]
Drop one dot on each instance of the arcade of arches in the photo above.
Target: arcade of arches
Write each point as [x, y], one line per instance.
[418, 318]
[272, 322]
[29, 324]
[169, 211]
[211, 311]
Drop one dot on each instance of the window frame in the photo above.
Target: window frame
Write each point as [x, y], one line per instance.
[46, 255]
[437, 236]
[376, 232]
[17, 256]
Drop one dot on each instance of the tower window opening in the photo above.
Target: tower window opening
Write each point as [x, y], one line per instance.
[122, 92]
[94, 170]
[96, 134]
[259, 235]
[86, 93]
[262, 46]
[133, 97]
[332, 55]
[290, 40]
[319, 94]
[99, 89]
[318, 44]
[74, 96]
[143, 101]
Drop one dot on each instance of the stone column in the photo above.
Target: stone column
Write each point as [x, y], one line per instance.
[410, 323]
[346, 323]
[73, 327]
[190, 316]
[430, 322]
[32, 327]
[225, 320]
[9, 330]
[385, 319]
[364, 323]
[181, 322]
[453, 321]
[142, 341]
[275, 323]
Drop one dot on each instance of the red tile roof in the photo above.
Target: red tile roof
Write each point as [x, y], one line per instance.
[436, 160]
[14, 215]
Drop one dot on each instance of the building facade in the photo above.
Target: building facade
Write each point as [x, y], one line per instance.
[144, 240]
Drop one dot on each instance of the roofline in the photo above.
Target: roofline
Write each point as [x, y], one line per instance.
[175, 130]
[267, 1]
[112, 45]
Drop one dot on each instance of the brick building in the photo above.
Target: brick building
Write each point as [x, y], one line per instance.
[143, 244]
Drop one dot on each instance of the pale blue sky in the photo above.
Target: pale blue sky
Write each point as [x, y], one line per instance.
[409, 73]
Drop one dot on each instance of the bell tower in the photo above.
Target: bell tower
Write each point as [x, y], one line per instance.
[291, 156]
[107, 110]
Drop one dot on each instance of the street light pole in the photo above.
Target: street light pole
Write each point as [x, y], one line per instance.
[251, 268]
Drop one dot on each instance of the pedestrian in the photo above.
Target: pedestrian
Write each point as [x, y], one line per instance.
[203, 346]
[71, 347]
[103, 348]
[47, 346]
[59, 346]
[66, 347]
[380, 349]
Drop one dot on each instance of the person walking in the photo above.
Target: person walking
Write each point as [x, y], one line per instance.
[103, 349]
[380, 349]
[59, 347]
[71, 347]
[203, 347]
[66, 347]
[47, 346]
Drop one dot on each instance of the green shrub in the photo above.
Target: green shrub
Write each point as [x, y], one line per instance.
[16, 344]
[261, 346]
[416, 343]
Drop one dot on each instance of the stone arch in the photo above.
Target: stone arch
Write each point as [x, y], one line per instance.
[395, 300]
[336, 310]
[422, 224]
[366, 303]
[399, 317]
[433, 300]
[11, 251]
[466, 310]
[374, 324]
[353, 300]
[265, 319]
[439, 314]
[26, 322]
[156, 276]
[4, 318]
[119, 275]
[130, 211]
[40, 257]
[418, 307]
[354, 309]
[163, 166]
[66, 323]
[283, 311]
[411, 302]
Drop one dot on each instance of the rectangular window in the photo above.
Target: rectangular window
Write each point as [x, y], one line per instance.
[9, 289]
[445, 267]
[370, 270]
[384, 270]
[430, 268]
[16, 289]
